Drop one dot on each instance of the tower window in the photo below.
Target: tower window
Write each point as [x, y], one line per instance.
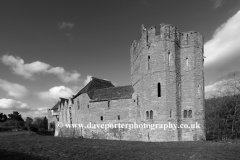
[190, 114]
[101, 118]
[169, 58]
[185, 114]
[187, 64]
[159, 89]
[151, 114]
[118, 117]
[170, 114]
[147, 115]
[148, 63]
[199, 89]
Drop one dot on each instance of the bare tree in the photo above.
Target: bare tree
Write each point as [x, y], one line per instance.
[223, 110]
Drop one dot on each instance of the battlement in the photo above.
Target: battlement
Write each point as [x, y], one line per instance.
[191, 38]
[163, 32]
[166, 32]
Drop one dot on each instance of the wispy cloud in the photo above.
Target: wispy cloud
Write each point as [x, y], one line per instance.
[19, 67]
[14, 89]
[40, 111]
[56, 92]
[10, 104]
[222, 52]
[223, 87]
[65, 25]
[23, 108]
[218, 3]
[64, 75]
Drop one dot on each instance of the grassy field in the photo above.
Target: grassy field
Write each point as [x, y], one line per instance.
[21, 145]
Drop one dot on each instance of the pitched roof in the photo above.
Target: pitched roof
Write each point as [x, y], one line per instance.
[94, 84]
[60, 103]
[56, 106]
[121, 92]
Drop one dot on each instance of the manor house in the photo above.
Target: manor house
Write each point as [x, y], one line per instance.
[167, 86]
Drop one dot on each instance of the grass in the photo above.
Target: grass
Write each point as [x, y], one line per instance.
[24, 145]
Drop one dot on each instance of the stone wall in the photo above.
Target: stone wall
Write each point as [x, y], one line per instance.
[161, 56]
[167, 77]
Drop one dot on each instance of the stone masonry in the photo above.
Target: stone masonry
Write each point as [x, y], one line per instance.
[167, 87]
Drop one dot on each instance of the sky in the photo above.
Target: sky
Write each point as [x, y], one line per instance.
[51, 48]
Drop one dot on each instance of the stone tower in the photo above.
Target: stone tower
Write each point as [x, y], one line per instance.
[167, 77]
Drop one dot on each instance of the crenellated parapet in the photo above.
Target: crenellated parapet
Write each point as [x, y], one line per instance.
[191, 38]
[163, 32]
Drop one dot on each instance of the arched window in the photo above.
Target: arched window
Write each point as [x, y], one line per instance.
[147, 115]
[190, 114]
[151, 114]
[187, 64]
[118, 117]
[170, 114]
[159, 89]
[101, 118]
[185, 114]
[169, 58]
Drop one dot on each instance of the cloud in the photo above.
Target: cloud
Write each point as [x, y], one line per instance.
[56, 92]
[40, 111]
[222, 52]
[223, 87]
[10, 104]
[89, 78]
[26, 70]
[63, 75]
[19, 67]
[65, 25]
[76, 89]
[218, 3]
[214, 88]
[14, 89]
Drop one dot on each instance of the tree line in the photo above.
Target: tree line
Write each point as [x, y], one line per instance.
[15, 122]
[223, 111]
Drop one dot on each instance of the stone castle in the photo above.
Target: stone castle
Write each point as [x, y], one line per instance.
[167, 87]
